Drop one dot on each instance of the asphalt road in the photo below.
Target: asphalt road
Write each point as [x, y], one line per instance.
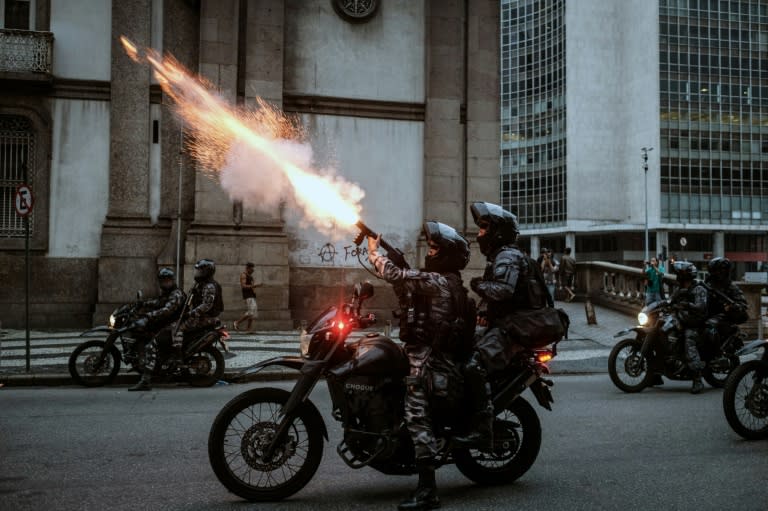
[68, 448]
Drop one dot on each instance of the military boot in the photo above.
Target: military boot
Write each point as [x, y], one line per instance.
[479, 391]
[697, 385]
[425, 496]
[144, 383]
[481, 431]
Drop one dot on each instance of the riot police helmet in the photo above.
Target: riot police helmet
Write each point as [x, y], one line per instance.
[452, 249]
[499, 226]
[166, 278]
[204, 270]
[719, 269]
[685, 271]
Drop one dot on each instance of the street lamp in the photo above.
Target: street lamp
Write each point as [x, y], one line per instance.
[645, 151]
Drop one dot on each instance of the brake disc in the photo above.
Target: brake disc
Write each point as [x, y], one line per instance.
[257, 439]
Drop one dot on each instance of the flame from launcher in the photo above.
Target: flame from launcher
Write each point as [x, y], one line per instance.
[261, 156]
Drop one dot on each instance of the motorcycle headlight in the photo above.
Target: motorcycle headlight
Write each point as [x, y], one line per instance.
[642, 318]
[112, 321]
[304, 339]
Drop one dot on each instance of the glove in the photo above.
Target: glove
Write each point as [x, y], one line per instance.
[140, 323]
[475, 283]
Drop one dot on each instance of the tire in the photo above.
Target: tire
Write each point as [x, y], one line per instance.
[718, 379]
[84, 366]
[516, 439]
[745, 400]
[206, 367]
[627, 368]
[241, 430]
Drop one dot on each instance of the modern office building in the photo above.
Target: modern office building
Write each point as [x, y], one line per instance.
[590, 87]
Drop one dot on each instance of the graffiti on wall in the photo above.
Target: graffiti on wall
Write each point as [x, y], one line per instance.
[328, 253]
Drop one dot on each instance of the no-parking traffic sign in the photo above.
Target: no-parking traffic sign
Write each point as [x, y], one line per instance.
[24, 200]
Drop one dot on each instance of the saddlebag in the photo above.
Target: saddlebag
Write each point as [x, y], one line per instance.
[536, 328]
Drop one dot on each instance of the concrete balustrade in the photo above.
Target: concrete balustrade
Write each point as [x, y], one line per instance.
[623, 288]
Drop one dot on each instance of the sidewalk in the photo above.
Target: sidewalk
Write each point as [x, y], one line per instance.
[585, 351]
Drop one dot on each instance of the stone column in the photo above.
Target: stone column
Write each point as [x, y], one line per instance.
[129, 243]
[570, 241]
[482, 102]
[718, 244]
[444, 126]
[535, 246]
[662, 240]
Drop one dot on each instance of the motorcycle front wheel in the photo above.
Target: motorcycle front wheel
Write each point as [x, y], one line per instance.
[745, 400]
[205, 367]
[91, 364]
[516, 444]
[627, 366]
[244, 429]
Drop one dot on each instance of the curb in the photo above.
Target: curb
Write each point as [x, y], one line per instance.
[59, 379]
[597, 365]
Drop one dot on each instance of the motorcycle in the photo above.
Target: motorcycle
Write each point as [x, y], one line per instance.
[745, 398]
[267, 443]
[96, 363]
[658, 349]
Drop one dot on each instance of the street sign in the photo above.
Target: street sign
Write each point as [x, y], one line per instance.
[683, 242]
[24, 200]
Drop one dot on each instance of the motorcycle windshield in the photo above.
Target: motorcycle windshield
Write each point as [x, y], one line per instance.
[323, 320]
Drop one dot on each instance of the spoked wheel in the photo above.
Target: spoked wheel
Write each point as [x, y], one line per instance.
[627, 367]
[242, 432]
[516, 441]
[206, 367]
[717, 374]
[745, 400]
[92, 365]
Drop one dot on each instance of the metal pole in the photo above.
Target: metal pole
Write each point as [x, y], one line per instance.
[178, 210]
[645, 151]
[646, 212]
[26, 287]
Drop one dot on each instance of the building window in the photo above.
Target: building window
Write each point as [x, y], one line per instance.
[17, 14]
[17, 164]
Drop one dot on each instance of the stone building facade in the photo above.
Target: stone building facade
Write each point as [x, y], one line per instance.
[403, 102]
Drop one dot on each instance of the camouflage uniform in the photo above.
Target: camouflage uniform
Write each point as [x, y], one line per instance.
[511, 281]
[164, 310]
[722, 315]
[691, 309]
[429, 319]
[205, 308]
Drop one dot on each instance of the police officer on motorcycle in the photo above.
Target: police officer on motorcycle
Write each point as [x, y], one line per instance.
[727, 305]
[689, 302]
[511, 281]
[206, 304]
[161, 312]
[435, 315]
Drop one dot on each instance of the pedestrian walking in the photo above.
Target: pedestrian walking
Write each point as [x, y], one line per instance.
[567, 272]
[247, 286]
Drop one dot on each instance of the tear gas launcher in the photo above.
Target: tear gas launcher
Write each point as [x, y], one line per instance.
[393, 254]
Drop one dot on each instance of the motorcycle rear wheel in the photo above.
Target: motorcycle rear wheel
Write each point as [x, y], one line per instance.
[718, 379]
[244, 428]
[516, 440]
[88, 368]
[206, 367]
[627, 367]
[745, 400]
